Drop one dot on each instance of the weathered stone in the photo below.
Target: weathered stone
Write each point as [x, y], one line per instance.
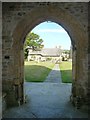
[20, 18]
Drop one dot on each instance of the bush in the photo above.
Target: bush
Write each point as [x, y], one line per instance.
[48, 59]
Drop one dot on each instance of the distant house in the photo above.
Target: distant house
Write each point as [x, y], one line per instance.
[53, 54]
[71, 52]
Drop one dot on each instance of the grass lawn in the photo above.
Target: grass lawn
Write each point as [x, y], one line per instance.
[66, 71]
[37, 72]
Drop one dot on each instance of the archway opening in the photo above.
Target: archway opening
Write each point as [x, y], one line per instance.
[25, 22]
[55, 47]
[69, 23]
[38, 62]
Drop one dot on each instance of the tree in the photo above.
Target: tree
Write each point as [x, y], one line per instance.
[34, 42]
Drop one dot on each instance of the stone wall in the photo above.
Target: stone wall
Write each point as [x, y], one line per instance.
[19, 18]
[0, 59]
[89, 55]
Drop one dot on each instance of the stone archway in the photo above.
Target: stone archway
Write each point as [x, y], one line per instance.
[79, 41]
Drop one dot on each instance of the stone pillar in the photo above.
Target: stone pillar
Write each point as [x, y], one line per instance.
[19, 76]
[80, 79]
[88, 94]
[0, 60]
[73, 94]
[14, 88]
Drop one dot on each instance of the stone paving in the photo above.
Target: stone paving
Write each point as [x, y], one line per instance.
[55, 75]
[46, 100]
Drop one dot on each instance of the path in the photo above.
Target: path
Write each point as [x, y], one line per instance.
[55, 75]
[51, 100]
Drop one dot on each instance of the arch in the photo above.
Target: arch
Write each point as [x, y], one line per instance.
[51, 13]
[54, 14]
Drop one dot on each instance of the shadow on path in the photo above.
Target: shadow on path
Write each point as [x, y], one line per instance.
[46, 100]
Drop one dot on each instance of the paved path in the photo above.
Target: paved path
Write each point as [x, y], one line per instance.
[49, 99]
[55, 75]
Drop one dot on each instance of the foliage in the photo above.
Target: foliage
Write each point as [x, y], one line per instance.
[25, 53]
[66, 51]
[34, 42]
[66, 71]
[48, 59]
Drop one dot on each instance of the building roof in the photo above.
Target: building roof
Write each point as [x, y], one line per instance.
[47, 52]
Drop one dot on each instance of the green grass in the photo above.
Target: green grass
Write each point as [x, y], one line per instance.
[37, 72]
[66, 71]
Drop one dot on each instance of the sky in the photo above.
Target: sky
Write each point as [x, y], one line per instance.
[53, 35]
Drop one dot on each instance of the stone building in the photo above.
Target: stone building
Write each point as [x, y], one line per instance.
[46, 53]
